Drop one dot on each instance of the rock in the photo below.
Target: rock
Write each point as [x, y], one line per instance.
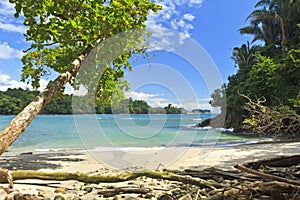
[88, 189]
[131, 198]
[42, 194]
[204, 123]
[3, 194]
[110, 187]
[9, 197]
[165, 197]
[117, 197]
[20, 196]
[177, 192]
[149, 195]
[186, 197]
[58, 197]
[60, 190]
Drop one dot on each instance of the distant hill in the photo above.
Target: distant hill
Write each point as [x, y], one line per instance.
[14, 100]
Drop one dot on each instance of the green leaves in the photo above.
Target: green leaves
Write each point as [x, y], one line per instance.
[60, 31]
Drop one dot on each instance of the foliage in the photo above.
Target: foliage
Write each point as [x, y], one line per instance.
[60, 31]
[219, 98]
[173, 109]
[13, 101]
[269, 71]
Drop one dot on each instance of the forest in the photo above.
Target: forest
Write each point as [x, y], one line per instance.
[13, 101]
[264, 95]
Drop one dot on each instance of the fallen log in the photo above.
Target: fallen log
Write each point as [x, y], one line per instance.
[212, 172]
[62, 176]
[282, 161]
[267, 176]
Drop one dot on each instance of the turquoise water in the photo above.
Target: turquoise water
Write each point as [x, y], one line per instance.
[59, 132]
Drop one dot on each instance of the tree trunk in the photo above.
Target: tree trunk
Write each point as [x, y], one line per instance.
[18, 125]
[283, 37]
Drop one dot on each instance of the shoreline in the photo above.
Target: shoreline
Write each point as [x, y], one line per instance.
[189, 157]
[82, 161]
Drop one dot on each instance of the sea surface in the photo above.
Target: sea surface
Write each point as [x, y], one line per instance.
[104, 132]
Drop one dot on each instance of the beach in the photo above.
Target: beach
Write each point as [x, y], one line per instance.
[85, 162]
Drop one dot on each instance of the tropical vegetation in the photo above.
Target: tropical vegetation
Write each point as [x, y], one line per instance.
[264, 95]
[15, 100]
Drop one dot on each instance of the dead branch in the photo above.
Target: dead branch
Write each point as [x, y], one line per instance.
[212, 172]
[267, 176]
[116, 191]
[276, 120]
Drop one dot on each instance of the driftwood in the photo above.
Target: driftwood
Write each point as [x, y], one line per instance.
[28, 174]
[246, 183]
[115, 191]
[267, 176]
[282, 161]
[214, 173]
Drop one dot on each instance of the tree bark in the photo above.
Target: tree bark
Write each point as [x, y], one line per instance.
[18, 125]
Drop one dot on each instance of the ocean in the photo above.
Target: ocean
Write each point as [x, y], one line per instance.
[105, 132]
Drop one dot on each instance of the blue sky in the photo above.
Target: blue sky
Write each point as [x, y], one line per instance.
[213, 24]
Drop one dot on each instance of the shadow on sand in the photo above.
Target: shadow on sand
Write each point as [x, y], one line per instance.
[37, 161]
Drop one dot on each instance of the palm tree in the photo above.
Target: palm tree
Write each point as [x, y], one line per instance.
[273, 21]
[262, 26]
[243, 56]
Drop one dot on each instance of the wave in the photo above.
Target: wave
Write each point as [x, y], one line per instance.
[56, 150]
[106, 149]
[211, 128]
[197, 119]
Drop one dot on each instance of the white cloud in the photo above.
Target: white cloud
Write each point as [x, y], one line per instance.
[176, 15]
[158, 100]
[188, 17]
[195, 2]
[6, 8]
[7, 20]
[7, 82]
[13, 28]
[154, 100]
[189, 106]
[7, 52]
[68, 89]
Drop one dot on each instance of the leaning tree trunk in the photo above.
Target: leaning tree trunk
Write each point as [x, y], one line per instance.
[18, 125]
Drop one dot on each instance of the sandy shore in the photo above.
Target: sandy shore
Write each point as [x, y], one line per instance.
[83, 161]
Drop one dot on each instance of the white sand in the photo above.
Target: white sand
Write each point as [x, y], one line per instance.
[83, 161]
